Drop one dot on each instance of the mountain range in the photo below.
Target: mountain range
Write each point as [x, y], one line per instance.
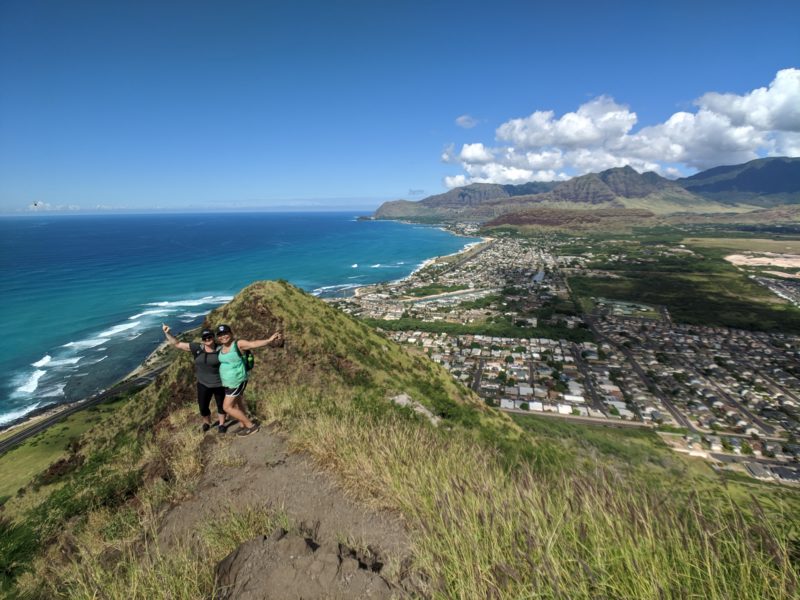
[760, 183]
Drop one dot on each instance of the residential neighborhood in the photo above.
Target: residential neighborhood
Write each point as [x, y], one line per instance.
[729, 395]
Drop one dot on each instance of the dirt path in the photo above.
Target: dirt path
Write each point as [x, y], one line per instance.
[258, 471]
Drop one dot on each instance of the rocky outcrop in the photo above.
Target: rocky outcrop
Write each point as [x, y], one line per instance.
[287, 566]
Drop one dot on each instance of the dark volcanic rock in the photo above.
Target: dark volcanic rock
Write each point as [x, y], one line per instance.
[291, 567]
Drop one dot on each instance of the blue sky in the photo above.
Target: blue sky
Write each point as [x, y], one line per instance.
[215, 105]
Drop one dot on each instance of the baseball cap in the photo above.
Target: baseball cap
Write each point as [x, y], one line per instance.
[223, 329]
[206, 333]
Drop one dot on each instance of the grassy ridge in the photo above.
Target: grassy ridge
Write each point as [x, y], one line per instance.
[494, 510]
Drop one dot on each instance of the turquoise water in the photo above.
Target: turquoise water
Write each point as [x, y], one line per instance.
[85, 295]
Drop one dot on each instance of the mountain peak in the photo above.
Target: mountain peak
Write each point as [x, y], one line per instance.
[764, 182]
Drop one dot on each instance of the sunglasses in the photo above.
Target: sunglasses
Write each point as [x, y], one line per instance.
[208, 337]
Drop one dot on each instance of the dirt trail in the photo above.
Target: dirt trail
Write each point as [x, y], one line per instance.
[259, 471]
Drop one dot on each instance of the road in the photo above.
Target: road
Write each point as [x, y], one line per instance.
[733, 458]
[467, 258]
[596, 403]
[679, 417]
[476, 382]
[619, 424]
[732, 402]
[113, 392]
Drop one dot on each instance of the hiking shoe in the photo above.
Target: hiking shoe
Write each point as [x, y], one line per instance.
[248, 430]
[206, 427]
[223, 428]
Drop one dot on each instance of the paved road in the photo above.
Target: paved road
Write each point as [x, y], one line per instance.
[113, 392]
[735, 404]
[466, 259]
[476, 382]
[679, 417]
[732, 458]
[596, 402]
[619, 424]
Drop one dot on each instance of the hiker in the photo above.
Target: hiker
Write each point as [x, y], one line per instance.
[233, 372]
[206, 368]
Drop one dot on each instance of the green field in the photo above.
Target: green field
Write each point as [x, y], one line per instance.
[751, 244]
[699, 288]
[20, 465]
[696, 300]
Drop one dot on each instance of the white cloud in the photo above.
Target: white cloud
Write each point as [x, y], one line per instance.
[786, 144]
[593, 122]
[449, 154]
[456, 181]
[725, 129]
[466, 121]
[475, 153]
[774, 108]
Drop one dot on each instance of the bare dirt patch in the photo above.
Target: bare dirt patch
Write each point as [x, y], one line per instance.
[286, 566]
[766, 259]
[257, 472]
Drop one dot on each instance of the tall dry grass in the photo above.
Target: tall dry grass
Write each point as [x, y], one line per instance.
[484, 531]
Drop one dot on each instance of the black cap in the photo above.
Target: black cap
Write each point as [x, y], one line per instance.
[206, 333]
[223, 329]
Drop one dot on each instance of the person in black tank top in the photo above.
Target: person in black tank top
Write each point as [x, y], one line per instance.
[206, 368]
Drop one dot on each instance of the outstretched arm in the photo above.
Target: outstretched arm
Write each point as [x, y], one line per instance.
[251, 344]
[172, 340]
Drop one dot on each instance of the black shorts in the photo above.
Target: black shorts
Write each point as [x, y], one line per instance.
[204, 395]
[237, 391]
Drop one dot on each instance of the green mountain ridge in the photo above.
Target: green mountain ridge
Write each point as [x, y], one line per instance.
[760, 183]
[764, 182]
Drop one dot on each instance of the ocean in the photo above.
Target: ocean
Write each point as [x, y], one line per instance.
[85, 295]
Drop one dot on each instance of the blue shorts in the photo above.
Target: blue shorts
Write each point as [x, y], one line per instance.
[237, 391]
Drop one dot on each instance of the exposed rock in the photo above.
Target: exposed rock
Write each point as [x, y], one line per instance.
[291, 567]
[405, 400]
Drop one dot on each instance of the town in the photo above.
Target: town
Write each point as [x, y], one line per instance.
[502, 319]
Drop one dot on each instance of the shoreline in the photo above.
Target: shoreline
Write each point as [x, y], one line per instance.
[363, 289]
[45, 412]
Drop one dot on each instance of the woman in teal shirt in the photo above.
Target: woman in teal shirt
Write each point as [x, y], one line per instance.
[234, 374]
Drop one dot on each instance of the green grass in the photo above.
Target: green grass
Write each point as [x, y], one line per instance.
[629, 446]
[643, 452]
[19, 465]
[561, 523]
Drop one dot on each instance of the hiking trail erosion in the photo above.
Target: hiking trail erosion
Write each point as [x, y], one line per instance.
[336, 548]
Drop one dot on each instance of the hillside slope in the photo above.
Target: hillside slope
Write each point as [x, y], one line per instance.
[611, 189]
[489, 509]
[763, 182]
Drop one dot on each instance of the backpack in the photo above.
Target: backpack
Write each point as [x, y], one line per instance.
[248, 358]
